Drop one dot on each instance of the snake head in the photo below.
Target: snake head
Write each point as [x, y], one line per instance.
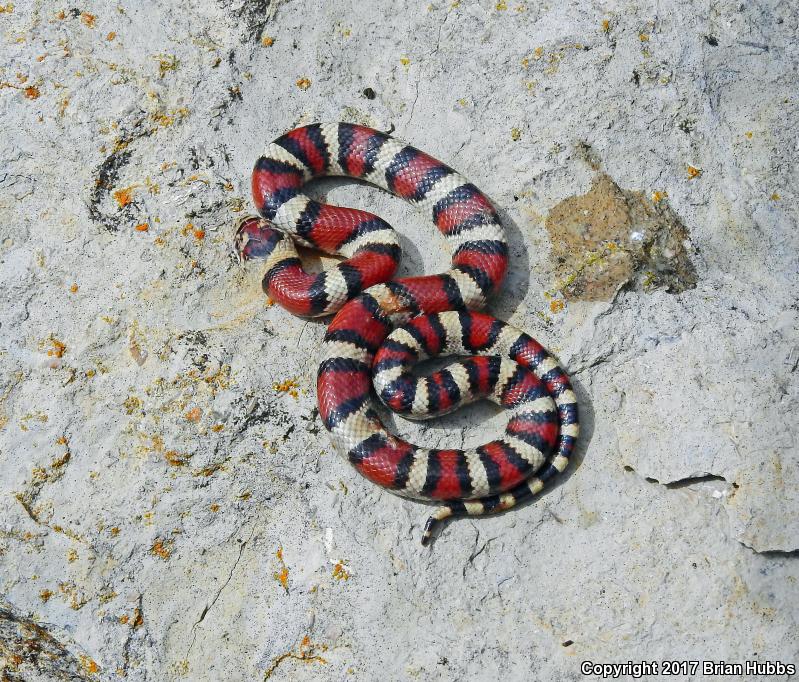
[255, 238]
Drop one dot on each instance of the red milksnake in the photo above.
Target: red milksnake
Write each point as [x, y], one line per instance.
[383, 326]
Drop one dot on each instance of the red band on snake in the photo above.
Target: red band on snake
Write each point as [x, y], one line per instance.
[383, 326]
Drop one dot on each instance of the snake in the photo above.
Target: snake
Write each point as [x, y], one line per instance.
[382, 327]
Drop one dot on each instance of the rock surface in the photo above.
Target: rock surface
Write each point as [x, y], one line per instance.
[170, 506]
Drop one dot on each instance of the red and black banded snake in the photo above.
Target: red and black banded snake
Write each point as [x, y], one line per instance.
[382, 327]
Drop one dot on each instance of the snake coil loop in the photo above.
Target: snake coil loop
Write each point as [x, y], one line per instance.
[383, 326]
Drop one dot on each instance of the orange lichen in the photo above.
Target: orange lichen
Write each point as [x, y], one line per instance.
[194, 414]
[303, 83]
[111, 35]
[176, 459]
[282, 576]
[340, 572]
[88, 19]
[288, 386]
[89, 665]
[605, 25]
[306, 652]
[114, 531]
[45, 595]
[199, 234]
[138, 619]
[124, 619]
[658, 196]
[693, 172]
[58, 349]
[214, 507]
[556, 306]
[161, 549]
[142, 227]
[124, 196]
[32, 92]
[267, 41]
[74, 288]
[210, 470]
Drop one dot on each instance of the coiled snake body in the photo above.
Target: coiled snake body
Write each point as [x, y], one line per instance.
[383, 326]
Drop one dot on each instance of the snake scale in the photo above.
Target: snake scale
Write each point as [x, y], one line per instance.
[383, 326]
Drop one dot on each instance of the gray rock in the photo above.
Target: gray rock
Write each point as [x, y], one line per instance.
[171, 507]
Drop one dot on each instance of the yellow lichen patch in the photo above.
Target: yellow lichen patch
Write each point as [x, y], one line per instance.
[605, 25]
[405, 61]
[515, 134]
[124, 619]
[748, 134]
[106, 597]
[775, 197]
[124, 196]
[289, 386]
[194, 414]
[340, 572]
[166, 63]
[214, 507]
[303, 83]
[282, 576]
[72, 555]
[114, 531]
[216, 428]
[557, 305]
[501, 6]
[138, 619]
[693, 172]
[70, 591]
[8, 8]
[161, 548]
[658, 196]
[132, 404]
[643, 37]
[45, 595]
[88, 19]
[538, 53]
[168, 118]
